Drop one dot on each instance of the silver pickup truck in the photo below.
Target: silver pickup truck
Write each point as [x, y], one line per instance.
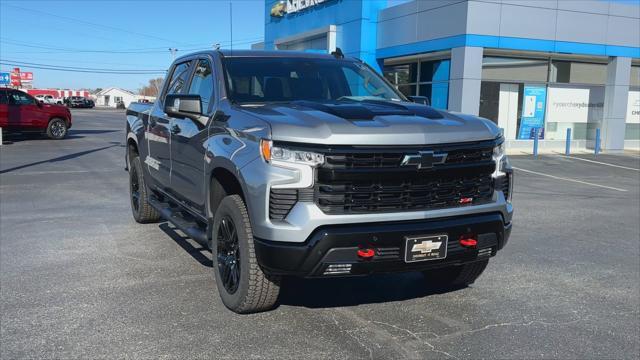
[309, 165]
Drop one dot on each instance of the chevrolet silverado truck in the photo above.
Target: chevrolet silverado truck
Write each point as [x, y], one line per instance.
[311, 165]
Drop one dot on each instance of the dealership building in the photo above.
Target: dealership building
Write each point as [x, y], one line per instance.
[540, 66]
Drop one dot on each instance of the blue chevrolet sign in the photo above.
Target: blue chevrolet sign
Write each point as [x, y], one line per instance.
[5, 78]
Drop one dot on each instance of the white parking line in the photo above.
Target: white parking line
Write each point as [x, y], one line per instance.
[599, 162]
[570, 180]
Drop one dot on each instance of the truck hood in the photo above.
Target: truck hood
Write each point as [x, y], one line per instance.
[369, 123]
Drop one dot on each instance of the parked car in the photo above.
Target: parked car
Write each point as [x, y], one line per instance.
[21, 112]
[79, 102]
[47, 99]
[309, 165]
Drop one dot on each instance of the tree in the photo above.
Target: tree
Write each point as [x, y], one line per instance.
[153, 88]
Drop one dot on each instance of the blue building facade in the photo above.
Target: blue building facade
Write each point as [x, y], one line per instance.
[541, 66]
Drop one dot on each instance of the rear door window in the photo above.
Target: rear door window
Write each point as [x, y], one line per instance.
[3, 97]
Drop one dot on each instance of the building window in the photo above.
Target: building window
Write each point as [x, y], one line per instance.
[571, 72]
[524, 94]
[514, 69]
[635, 76]
[428, 78]
[402, 74]
[632, 128]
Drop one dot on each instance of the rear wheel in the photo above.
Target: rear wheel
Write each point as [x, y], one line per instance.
[142, 211]
[455, 276]
[242, 285]
[57, 129]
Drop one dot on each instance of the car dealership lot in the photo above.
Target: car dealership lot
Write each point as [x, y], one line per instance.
[79, 278]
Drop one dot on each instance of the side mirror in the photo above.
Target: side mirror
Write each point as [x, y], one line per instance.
[189, 106]
[420, 100]
[39, 103]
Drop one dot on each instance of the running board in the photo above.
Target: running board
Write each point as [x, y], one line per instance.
[174, 216]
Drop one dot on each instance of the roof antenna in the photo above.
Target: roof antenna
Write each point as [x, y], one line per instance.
[338, 53]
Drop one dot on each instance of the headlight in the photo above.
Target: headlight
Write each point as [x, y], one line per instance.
[498, 151]
[504, 172]
[277, 153]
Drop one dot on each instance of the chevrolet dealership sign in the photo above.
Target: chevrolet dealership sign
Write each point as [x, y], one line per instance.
[291, 6]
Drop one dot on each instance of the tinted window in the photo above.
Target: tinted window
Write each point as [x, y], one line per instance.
[401, 74]
[179, 78]
[514, 69]
[578, 73]
[436, 70]
[202, 83]
[20, 98]
[3, 97]
[287, 79]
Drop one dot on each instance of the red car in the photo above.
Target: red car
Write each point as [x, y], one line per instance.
[21, 112]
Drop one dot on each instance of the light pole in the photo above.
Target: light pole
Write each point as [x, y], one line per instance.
[173, 52]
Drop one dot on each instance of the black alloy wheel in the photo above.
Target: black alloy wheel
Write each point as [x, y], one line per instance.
[142, 210]
[228, 255]
[134, 185]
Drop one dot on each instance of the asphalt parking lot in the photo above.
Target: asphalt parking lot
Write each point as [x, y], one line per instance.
[80, 279]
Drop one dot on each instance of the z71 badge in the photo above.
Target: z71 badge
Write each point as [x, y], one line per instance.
[422, 248]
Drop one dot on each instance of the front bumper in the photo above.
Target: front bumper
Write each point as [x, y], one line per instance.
[337, 245]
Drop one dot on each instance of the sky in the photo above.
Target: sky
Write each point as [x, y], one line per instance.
[123, 35]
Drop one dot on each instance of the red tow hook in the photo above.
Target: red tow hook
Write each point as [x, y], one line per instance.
[366, 253]
[468, 241]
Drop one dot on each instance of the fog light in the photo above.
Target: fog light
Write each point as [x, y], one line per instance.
[337, 269]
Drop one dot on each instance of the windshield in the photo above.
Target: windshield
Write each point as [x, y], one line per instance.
[261, 80]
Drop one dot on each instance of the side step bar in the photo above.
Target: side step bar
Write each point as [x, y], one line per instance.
[175, 217]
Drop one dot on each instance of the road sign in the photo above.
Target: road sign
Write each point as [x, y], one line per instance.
[5, 78]
[26, 76]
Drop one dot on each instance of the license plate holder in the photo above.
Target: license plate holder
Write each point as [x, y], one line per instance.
[425, 247]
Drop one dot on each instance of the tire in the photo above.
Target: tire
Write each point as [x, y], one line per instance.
[455, 276]
[142, 211]
[57, 129]
[243, 286]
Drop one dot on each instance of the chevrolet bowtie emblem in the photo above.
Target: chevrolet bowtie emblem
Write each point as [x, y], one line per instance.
[426, 247]
[424, 159]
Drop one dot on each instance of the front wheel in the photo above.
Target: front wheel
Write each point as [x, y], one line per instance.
[242, 285]
[57, 129]
[455, 276]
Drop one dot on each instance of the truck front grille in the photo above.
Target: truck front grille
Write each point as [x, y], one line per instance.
[361, 181]
[361, 159]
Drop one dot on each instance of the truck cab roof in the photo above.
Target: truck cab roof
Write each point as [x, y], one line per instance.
[263, 53]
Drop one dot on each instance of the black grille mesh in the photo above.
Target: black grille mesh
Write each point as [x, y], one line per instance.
[392, 159]
[361, 180]
[405, 195]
